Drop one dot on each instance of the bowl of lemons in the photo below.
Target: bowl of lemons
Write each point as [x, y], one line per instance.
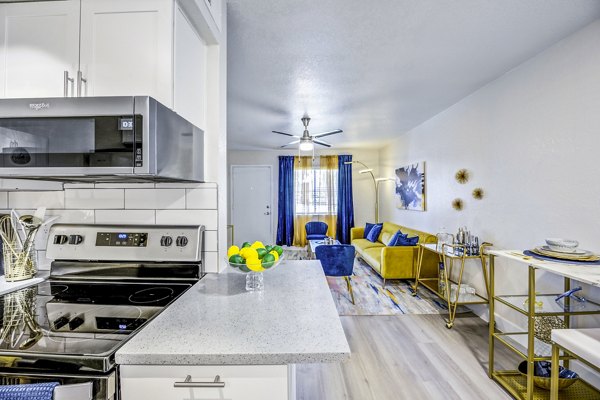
[253, 259]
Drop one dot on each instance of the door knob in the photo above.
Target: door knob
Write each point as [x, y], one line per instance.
[267, 213]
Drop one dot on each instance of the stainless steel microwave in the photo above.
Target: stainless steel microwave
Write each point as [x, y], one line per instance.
[98, 139]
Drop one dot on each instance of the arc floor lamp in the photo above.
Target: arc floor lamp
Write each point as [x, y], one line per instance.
[376, 182]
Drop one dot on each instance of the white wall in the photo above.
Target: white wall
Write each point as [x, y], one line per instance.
[531, 140]
[362, 185]
[143, 203]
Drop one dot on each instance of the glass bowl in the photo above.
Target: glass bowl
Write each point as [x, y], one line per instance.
[254, 279]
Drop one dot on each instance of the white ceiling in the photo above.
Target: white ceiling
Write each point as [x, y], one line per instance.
[375, 68]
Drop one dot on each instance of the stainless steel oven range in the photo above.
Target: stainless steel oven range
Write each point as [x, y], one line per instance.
[106, 283]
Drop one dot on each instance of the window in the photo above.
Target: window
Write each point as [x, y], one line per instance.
[316, 191]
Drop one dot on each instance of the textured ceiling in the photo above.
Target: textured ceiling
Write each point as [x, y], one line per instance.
[375, 68]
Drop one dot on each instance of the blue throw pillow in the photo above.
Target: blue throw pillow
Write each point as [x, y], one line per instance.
[395, 238]
[368, 228]
[374, 233]
[407, 241]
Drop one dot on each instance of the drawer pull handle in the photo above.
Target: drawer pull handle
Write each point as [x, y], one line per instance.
[189, 384]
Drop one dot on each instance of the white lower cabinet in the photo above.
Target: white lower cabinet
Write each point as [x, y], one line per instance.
[252, 382]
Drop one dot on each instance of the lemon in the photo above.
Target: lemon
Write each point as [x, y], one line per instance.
[232, 251]
[274, 254]
[249, 252]
[257, 245]
[254, 264]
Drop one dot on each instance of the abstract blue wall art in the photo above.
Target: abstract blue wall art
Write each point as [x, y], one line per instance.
[410, 187]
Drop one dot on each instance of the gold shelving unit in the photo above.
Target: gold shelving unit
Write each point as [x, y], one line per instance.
[518, 385]
[448, 258]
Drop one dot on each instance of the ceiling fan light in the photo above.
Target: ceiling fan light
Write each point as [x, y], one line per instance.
[306, 145]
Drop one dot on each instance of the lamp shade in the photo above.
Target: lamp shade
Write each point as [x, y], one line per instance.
[306, 145]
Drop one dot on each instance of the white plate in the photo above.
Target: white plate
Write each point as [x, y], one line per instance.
[579, 252]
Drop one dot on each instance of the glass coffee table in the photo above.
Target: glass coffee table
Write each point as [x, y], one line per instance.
[313, 244]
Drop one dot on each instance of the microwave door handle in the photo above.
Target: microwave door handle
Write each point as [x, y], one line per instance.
[66, 83]
[80, 81]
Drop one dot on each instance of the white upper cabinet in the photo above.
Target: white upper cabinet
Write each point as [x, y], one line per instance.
[126, 48]
[39, 46]
[215, 8]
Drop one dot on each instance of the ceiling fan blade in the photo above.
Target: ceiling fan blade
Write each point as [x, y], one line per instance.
[321, 143]
[290, 143]
[286, 134]
[327, 133]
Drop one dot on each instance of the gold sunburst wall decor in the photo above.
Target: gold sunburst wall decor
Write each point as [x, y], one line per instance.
[457, 204]
[462, 176]
[478, 193]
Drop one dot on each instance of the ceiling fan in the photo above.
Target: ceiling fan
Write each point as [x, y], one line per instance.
[306, 140]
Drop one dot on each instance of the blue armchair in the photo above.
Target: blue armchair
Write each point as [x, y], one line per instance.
[316, 230]
[337, 260]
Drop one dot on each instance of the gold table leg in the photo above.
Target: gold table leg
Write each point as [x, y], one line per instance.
[491, 318]
[554, 373]
[530, 333]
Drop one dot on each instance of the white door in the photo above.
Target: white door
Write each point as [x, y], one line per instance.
[126, 48]
[251, 208]
[38, 43]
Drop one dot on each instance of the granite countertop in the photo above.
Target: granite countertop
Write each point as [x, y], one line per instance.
[294, 320]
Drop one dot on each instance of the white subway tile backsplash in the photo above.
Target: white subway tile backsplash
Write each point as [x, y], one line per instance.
[95, 198]
[115, 185]
[208, 218]
[78, 185]
[185, 185]
[155, 198]
[125, 217]
[210, 241]
[202, 199]
[36, 199]
[211, 261]
[3, 199]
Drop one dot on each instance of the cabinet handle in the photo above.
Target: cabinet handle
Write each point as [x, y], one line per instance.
[66, 84]
[189, 384]
[80, 81]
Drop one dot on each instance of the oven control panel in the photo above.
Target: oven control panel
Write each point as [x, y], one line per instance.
[125, 242]
[122, 239]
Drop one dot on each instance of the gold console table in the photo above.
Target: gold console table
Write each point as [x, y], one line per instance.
[448, 258]
[519, 386]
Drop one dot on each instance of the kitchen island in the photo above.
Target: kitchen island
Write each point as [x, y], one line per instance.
[251, 340]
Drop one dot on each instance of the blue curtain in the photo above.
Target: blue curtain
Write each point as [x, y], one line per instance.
[345, 211]
[285, 218]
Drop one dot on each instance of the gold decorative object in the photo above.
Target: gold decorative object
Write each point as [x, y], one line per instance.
[478, 193]
[462, 176]
[457, 204]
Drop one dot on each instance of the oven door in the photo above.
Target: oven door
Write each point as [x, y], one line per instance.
[72, 387]
[72, 137]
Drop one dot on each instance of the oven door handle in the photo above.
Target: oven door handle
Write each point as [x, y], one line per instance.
[189, 384]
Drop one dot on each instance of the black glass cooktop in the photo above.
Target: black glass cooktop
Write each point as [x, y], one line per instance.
[82, 322]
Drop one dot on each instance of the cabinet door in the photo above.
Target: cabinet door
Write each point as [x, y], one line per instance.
[38, 43]
[215, 7]
[126, 48]
[190, 72]
[260, 382]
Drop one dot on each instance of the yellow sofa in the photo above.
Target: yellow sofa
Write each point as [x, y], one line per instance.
[395, 262]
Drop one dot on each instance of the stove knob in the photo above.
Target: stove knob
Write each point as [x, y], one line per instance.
[61, 239]
[182, 241]
[76, 322]
[60, 322]
[166, 241]
[75, 239]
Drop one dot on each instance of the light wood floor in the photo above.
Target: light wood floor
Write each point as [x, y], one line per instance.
[408, 357]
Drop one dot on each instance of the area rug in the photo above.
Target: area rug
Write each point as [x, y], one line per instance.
[371, 298]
